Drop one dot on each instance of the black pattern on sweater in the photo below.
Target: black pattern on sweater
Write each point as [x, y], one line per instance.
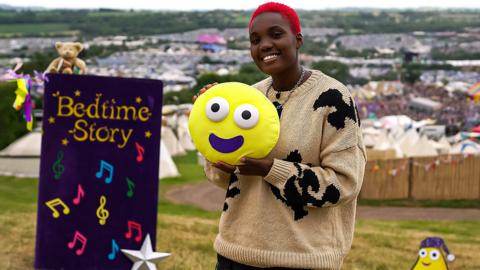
[305, 179]
[333, 98]
[231, 191]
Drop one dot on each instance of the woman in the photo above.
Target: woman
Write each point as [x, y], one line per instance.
[294, 209]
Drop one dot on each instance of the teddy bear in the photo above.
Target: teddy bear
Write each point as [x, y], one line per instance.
[68, 62]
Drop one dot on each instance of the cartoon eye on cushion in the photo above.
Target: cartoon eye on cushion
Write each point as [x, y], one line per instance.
[233, 120]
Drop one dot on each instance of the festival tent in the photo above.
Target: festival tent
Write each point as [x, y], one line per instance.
[422, 148]
[26, 146]
[386, 143]
[474, 92]
[409, 139]
[442, 146]
[174, 146]
[167, 166]
[465, 147]
[184, 133]
[22, 157]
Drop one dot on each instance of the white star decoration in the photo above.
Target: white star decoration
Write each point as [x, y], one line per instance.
[145, 258]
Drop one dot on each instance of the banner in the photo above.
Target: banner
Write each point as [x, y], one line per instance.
[98, 187]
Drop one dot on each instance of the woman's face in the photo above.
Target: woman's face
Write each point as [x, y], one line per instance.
[273, 45]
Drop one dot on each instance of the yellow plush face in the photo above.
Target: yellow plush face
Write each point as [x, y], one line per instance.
[430, 259]
[233, 120]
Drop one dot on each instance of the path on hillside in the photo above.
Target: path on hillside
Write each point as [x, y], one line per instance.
[210, 197]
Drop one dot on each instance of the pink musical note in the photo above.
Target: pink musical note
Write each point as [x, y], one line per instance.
[82, 239]
[140, 151]
[105, 166]
[80, 194]
[131, 226]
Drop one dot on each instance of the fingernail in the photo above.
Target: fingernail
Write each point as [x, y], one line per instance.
[242, 159]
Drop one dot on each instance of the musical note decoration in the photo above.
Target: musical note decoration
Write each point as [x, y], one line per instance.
[81, 239]
[80, 195]
[131, 188]
[132, 225]
[115, 249]
[102, 213]
[57, 166]
[55, 202]
[105, 166]
[140, 151]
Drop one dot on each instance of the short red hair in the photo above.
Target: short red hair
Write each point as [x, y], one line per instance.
[285, 10]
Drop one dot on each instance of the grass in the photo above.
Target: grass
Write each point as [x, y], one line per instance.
[188, 232]
[422, 203]
[33, 28]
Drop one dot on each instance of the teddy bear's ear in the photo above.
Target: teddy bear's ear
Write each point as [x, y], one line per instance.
[78, 46]
[58, 44]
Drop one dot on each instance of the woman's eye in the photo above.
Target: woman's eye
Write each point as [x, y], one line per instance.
[277, 34]
[246, 116]
[217, 109]
[254, 40]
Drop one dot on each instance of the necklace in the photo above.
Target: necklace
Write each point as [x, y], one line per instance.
[277, 104]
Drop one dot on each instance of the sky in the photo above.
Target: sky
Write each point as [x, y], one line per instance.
[242, 4]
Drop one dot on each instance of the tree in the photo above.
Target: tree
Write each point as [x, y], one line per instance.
[334, 69]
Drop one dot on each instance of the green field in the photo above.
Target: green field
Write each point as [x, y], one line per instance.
[188, 232]
[26, 29]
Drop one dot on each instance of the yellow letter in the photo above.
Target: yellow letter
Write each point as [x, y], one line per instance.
[95, 107]
[125, 138]
[126, 109]
[78, 127]
[79, 107]
[141, 115]
[99, 138]
[68, 106]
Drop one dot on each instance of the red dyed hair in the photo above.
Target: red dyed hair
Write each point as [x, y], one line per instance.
[285, 10]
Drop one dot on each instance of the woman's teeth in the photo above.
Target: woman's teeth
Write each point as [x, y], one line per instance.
[270, 58]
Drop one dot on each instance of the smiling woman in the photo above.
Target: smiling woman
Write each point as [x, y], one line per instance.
[295, 208]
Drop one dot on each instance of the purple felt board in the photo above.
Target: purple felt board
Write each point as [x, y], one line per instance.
[98, 172]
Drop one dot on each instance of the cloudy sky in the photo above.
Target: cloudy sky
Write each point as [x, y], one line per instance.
[242, 4]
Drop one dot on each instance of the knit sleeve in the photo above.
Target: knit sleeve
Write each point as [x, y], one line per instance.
[338, 177]
[216, 176]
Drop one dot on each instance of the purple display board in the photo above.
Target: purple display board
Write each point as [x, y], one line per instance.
[98, 188]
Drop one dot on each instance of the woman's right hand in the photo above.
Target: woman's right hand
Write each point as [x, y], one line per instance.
[205, 88]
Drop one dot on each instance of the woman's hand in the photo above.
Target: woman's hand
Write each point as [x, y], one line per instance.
[253, 166]
[205, 88]
[224, 167]
[249, 166]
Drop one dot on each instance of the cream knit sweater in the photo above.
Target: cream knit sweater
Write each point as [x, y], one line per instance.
[302, 214]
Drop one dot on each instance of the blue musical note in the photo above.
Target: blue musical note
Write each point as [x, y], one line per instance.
[105, 166]
[115, 250]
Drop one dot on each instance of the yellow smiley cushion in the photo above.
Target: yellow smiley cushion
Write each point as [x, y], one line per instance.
[233, 120]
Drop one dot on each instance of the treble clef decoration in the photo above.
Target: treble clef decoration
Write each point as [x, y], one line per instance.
[57, 166]
[102, 213]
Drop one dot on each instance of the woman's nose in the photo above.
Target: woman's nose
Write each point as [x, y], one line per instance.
[266, 44]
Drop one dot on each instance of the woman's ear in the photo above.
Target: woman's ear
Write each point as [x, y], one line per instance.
[299, 40]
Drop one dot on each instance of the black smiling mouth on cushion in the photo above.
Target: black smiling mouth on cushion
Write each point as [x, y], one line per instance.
[225, 145]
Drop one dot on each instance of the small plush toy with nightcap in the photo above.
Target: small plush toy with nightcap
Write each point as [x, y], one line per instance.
[430, 255]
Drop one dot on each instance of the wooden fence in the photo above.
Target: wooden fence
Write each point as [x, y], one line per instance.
[446, 177]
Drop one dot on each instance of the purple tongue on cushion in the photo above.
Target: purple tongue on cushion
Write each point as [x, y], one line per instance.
[225, 145]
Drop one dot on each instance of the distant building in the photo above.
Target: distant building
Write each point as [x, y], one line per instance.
[211, 42]
[426, 105]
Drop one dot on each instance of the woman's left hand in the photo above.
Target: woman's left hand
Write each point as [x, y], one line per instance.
[253, 166]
